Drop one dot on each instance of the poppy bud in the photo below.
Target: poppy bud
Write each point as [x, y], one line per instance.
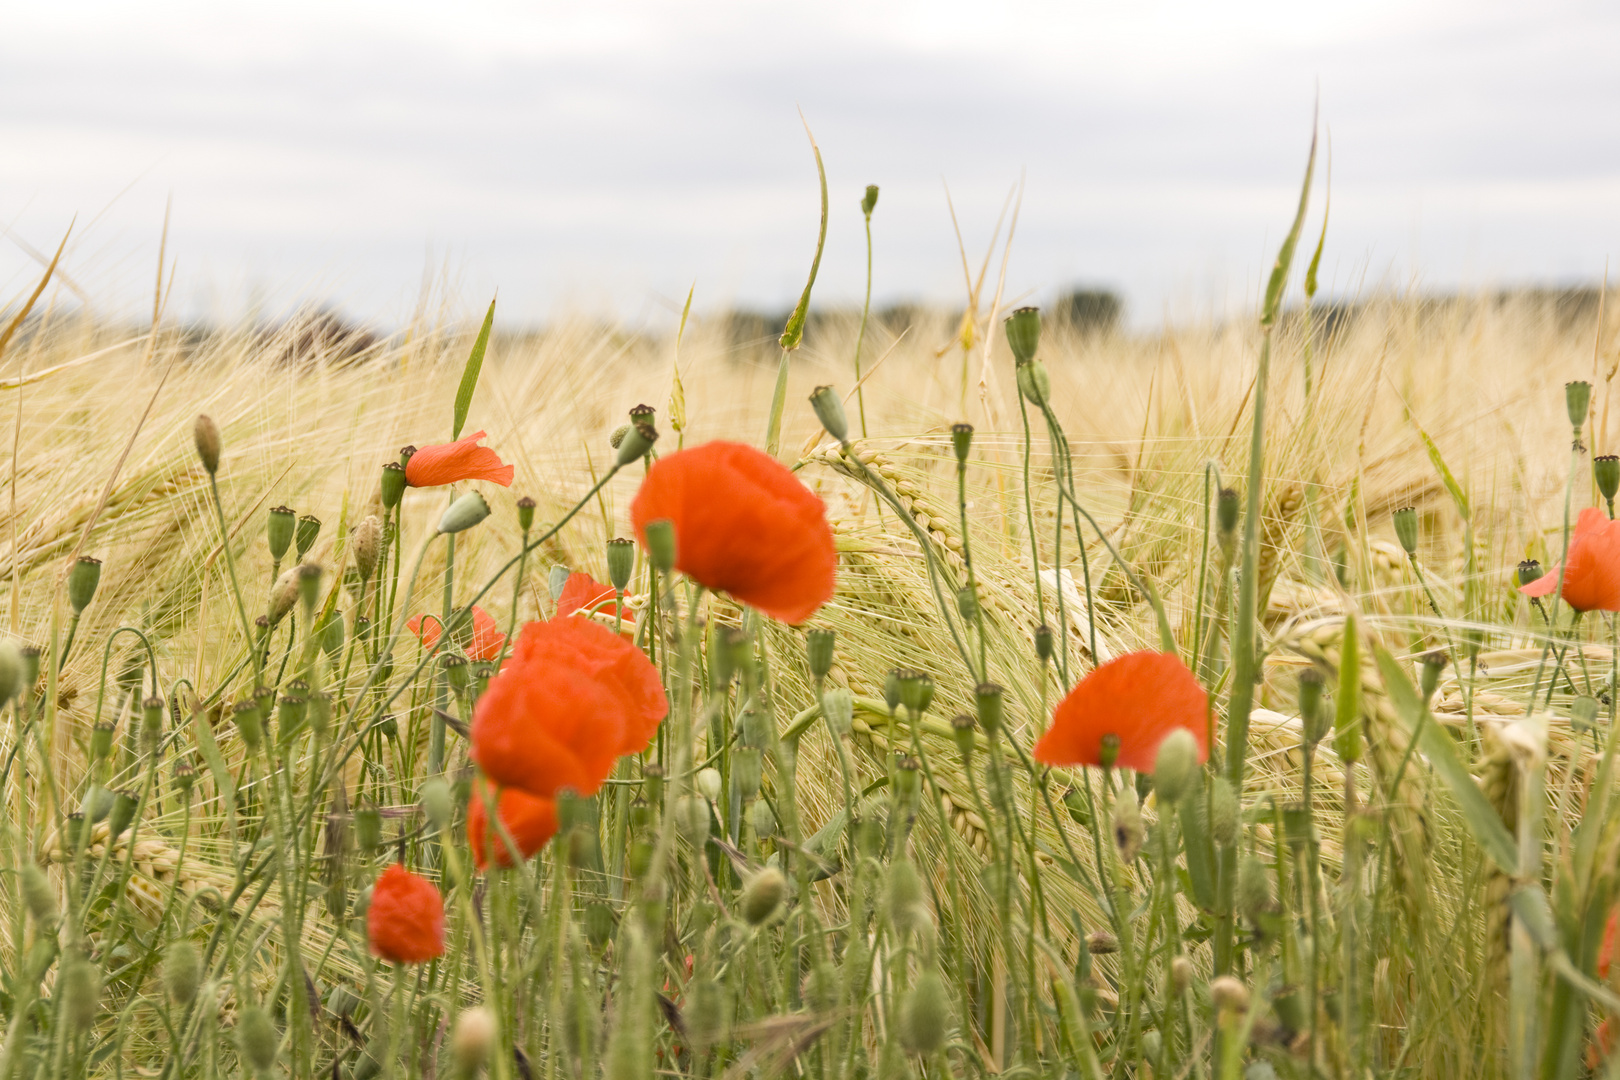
[1406, 529]
[818, 647]
[891, 689]
[1152, 1044]
[961, 441]
[903, 897]
[830, 411]
[916, 692]
[283, 594]
[707, 782]
[838, 708]
[256, 1035]
[869, 836]
[621, 562]
[464, 513]
[692, 820]
[80, 986]
[525, 509]
[636, 442]
[309, 585]
[747, 767]
[1181, 973]
[82, 582]
[249, 724]
[599, 924]
[309, 527]
[393, 484]
[967, 603]
[185, 775]
[926, 1015]
[97, 801]
[121, 813]
[101, 741]
[1529, 570]
[470, 1039]
[1174, 765]
[205, 433]
[962, 733]
[988, 698]
[320, 711]
[1043, 642]
[1606, 471]
[368, 828]
[652, 782]
[763, 895]
[1128, 830]
[1108, 750]
[1577, 396]
[1101, 943]
[1253, 888]
[1034, 383]
[869, 200]
[1312, 718]
[763, 819]
[279, 531]
[1024, 333]
[30, 667]
[367, 545]
[182, 971]
[1223, 812]
[437, 803]
[11, 671]
[1433, 664]
[660, 539]
[705, 1013]
[1226, 512]
[38, 895]
[1228, 994]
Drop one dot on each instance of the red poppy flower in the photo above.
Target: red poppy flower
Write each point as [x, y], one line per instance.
[405, 921]
[584, 593]
[743, 524]
[573, 697]
[484, 642]
[1592, 581]
[1140, 698]
[464, 459]
[531, 822]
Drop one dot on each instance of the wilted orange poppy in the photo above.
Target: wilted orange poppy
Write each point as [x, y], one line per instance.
[573, 697]
[744, 525]
[464, 459]
[1592, 581]
[405, 922]
[531, 821]
[582, 592]
[1138, 698]
[483, 642]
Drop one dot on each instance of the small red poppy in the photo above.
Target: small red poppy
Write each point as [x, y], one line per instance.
[405, 922]
[484, 642]
[1139, 698]
[530, 821]
[1592, 581]
[744, 525]
[582, 592]
[573, 697]
[464, 459]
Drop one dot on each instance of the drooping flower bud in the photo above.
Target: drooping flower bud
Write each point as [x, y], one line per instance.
[1128, 830]
[1223, 812]
[830, 411]
[961, 441]
[471, 1038]
[869, 200]
[525, 509]
[1406, 529]
[1173, 767]
[1577, 396]
[464, 513]
[437, 803]
[82, 581]
[393, 484]
[988, 699]
[763, 895]
[79, 983]
[838, 708]
[1024, 333]
[205, 433]
[368, 537]
[925, 1016]
[621, 562]
[661, 541]
[636, 442]
[182, 971]
[256, 1036]
[38, 895]
[309, 527]
[283, 595]
[818, 648]
[1034, 383]
[1253, 888]
[903, 896]
[283, 522]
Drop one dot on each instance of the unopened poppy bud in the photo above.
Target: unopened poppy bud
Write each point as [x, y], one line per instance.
[707, 782]
[988, 697]
[891, 689]
[1577, 396]
[1181, 973]
[122, 813]
[38, 895]
[525, 511]
[692, 820]
[830, 411]
[320, 712]
[962, 733]
[636, 442]
[309, 527]
[471, 1038]
[205, 433]
[464, 513]
[283, 595]
[1253, 888]
[916, 692]
[182, 971]
[1223, 812]
[393, 484]
[621, 562]
[1173, 766]
[1433, 664]
[1101, 943]
[838, 707]
[368, 828]
[309, 584]
[97, 801]
[1128, 830]
[818, 648]
[1406, 529]
[1024, 333]
[1529, 570]
[249, 724]
[1226, 512]
[1034, 383]
[279, 530]
[82, 581]
[763, 819]
[256, 1036]
[705, 1013]
[368, 537]
[437, 803]
[1152, 1045]
[967, 603]
[961, 441]
[185, 775]
[1108, 750]
[1312, 718]
[869, 200]
[1043, 642]
[747, 767]
[763, 895]
[1228, 994]
[1606, 471]
[11, 671]
[926, 1015]
[661, 541]
[101, 741]
[80, 986]
[903, 896]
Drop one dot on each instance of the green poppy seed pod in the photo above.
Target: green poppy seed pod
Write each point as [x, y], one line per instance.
[11, 671]
[692, 820]
[1606, 471]
[279, 530]
[525, 509]
[763, 819]
[830, 411]
[1577, 396]
[367, 545]
[818, 648]
[152, 710]
[249, 723]
[1034, 383]
[661, 541]
[891, 688]
[256, 1036]
[385, 671]
[79, 983]
[82, 581]
[747, 771]
[331, 636]
[464, 513]
[101, 741]
[290, 713]
[838, 708]
[962, 733]
[309, 527]
[121, 813]
[182, 971]
[961, 441]
[907, 780]
[283, 595]
[309, 585]
[967, 603]
[320, 712]
[1312, 717]
[368, 828]
[471, 1038]
[903, 896]
[1044, 644]
[1406, 529]
[916, 692]
[1228, 994]
[185, 775]
[599, 924]
[988, 698]
[705, 1013]
[405, 455]
[707, 783]
[437, 802]
[652, 783]
[869, 200]
[1024, 333]
[1128, 829]
[38, 895]
[1433, 664]
[265, 699]
[616, 439]
[636, 442]
[1253, 888]
[621, 562]
[763, 895]
[1173, 766]
[926, 1015]
[1529, 570]
[205, 433]
[1226, 512]
[1181, 973]
[30, 666]
[1108, 750]
[96, 804]
[393, 484]
[457, 672]
[1223, 812]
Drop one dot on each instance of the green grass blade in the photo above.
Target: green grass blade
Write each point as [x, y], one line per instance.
[469, 374]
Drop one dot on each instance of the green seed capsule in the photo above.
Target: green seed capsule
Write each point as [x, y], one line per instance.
[1313, 718]
[869, 200]
[249, 724]
[1577, 396]
[621, 562]
[1606, 472]
[525, 509]
[279, 530]
[1024, 333]
[891, 688]
[1226, 514]
[636, 443]
[926, 1015]
[182, 972]
[1034, 383]
[818, 647]
[121, 813]
[256, 1036]
[962, 731]
[309, 527]
[1406, 529]
[101, 741]
[961, 441]
[1044, 644]
[661, 544]
[393, 484]
[916, 692]
[988, 699]
[82, 582]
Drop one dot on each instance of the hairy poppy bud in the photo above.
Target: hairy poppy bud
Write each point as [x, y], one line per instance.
[82, 582]
[763, 819]
[616, 439]
[988, 699]
[1312, 718]
[763, 895]
[1024, 333]
[368, 537]
[309, 527]
[818, 647]
[661, 541]
[961, 441]
[869, 200]
[1101, 943]
[393, 484]
[256, 1035]
[368, 828]
[1577, 396]
[705, 1013]
[916, 692]
[707, 782]
[1181, 973]
[1173, 766]
[279, 530]
[1228, 994]
[1128, 830]
[470, 1039]
[1034, 383]
[1606, 471]
[437, 803]
[205, 433]
[1253, 888]
[11, 671]
[182, 971]
[249, 723]
[1223, 812]
[38, 895]
[1406, 529]
[283, 595]
[621, 562]
[636, 442]
[838, 708]
[830, 411]
[1433, 664]
[101, 741]
[692, 820]
[1043, 642]
[962, 733]
[967, 603]
[903, 897]
[79, 983]
[464, 513]
[747, 771]
[926, 1014]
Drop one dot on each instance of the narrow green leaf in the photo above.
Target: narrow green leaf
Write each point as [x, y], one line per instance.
[469, 374]
[213, 758]
[1446, 478]
[793, 332]
[1285, 255]
[1321, 241]
[1347, 720]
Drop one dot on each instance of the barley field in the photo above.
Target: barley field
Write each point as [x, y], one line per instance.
[262, 817]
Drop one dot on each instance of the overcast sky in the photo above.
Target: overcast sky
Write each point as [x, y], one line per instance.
[607, 155]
